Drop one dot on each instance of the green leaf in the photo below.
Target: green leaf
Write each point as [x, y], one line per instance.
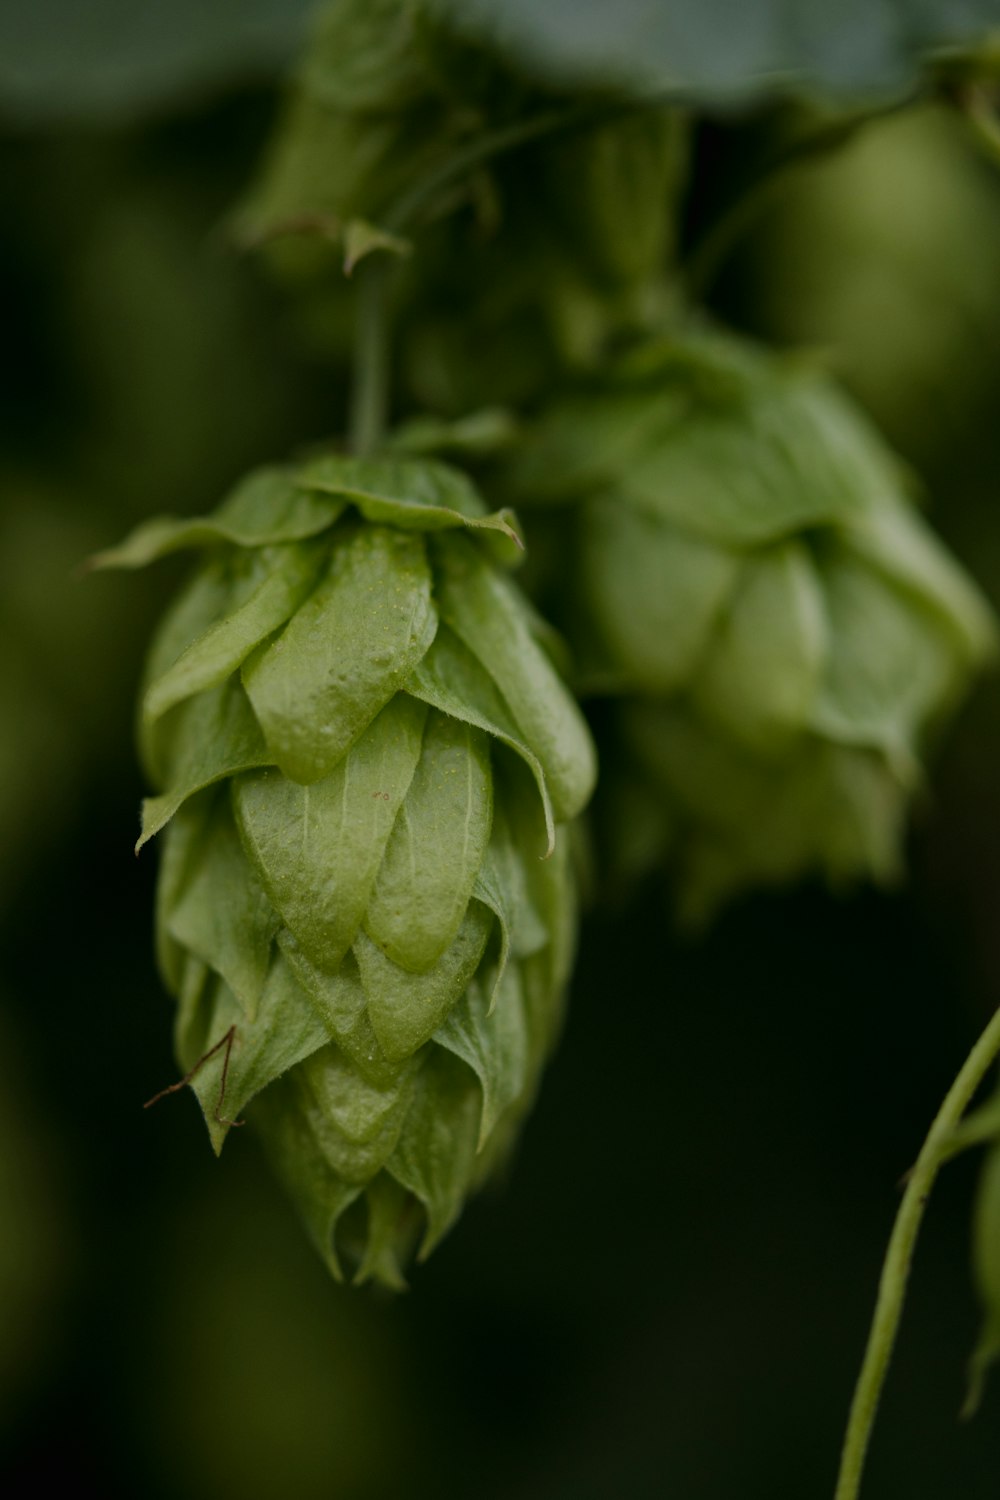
[376, 109]
[354, 642]
[483, 608]
[225, 645]
[436, 847]
[891, 670]
[712, 52]
[761, 677]
[194, 1013]
[366, 56]
[318, 848]
[419, 495]
[206, 597]
[655, 593]
[356, 1123]
[436, 1153]
[493, 1040]
[546, 971]
[511, 861]
[266, 508]
[480, 434]
[747, 821]
[896, 540]
[221, 913]
[114, 60]
[286, 1118]
[451, 679]
[213, 736]
[788, 454]
[285, 1031]
[586, 443]
[362, 238]
[614, 191]
[405, 1008]
[341, 1001]
[179, 850]
[390, 1210]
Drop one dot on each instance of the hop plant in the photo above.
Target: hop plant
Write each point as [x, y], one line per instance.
[751, 580]
[547, 258]
[366, 766]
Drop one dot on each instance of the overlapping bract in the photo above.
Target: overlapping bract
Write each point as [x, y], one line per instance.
[784, 629]
[364, 757]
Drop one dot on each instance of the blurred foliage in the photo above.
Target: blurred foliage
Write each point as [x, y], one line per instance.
[114, 59]
[671, 1294]
[718, 50]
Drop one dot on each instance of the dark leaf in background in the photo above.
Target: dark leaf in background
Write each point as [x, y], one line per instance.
[717, 50]
[107, 59]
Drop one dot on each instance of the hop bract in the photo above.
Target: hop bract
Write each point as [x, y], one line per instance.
[785, 631]
[366, 908]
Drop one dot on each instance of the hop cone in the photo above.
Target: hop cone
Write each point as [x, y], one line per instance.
[785, 630]
[363, 756]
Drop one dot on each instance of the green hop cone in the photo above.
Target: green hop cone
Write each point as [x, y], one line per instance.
[784, 631]
[366, 906]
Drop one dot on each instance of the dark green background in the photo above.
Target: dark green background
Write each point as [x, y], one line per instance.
[670, 1295]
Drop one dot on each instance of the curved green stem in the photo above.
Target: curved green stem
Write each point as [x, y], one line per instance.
[899, 1255]
[401, 215]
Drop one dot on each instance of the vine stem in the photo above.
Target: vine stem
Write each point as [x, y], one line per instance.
[370, 388]
[899, 1257]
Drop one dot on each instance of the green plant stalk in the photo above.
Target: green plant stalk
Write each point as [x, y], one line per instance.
[370, 373]
[899, 1255]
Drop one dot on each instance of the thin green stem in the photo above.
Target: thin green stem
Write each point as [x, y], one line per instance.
[370, 392]
[899, 1256]
[400, 217]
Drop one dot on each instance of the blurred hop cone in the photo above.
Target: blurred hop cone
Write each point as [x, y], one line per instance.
[366, 906]
[782, 629]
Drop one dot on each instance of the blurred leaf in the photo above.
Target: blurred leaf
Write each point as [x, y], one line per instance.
[711, 50]
[362, 238]
[107, 59]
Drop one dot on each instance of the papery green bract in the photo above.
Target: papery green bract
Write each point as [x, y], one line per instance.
[783, 629]
[366, 767]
